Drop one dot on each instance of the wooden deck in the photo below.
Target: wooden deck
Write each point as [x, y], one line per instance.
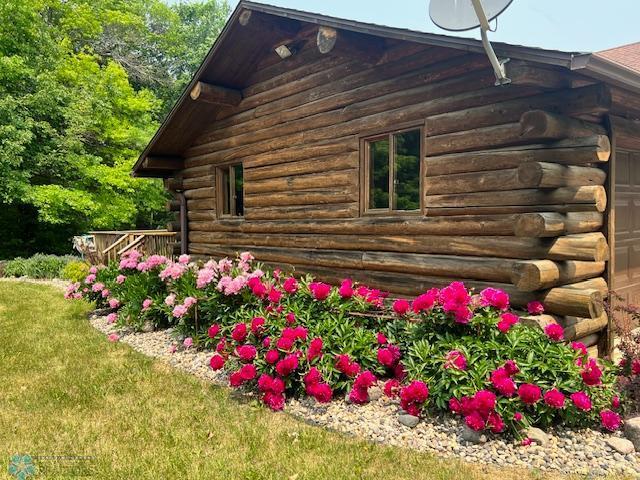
[110, 245]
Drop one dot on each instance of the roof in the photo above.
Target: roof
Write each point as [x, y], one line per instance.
[234, 54]
[625, 55]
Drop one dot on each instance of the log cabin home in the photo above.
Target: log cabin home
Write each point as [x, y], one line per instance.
[346, 149]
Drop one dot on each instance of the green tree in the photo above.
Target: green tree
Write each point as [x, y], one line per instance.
[83, 86]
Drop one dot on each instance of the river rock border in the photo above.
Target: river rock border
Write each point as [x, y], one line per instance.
[583, 452]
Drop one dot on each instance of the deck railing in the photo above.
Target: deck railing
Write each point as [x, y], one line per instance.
[109, 245]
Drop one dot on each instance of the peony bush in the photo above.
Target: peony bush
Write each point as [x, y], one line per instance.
[447, 350]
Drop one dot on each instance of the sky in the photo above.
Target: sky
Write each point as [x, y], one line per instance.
[570, 25]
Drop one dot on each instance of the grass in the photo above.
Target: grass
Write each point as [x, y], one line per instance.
[67, 391]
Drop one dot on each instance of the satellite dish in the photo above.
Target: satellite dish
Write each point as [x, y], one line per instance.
[460, 15]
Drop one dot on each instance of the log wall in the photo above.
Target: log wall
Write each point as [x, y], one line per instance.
[513, 178]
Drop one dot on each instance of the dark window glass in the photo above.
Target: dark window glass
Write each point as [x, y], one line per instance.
[379, 174]
[406, 192]
[239, 191]
[225, 194]
[231, 190]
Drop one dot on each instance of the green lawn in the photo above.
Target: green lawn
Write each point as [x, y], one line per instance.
[67, 391]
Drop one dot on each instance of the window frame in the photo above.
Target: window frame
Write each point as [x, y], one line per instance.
[220, 200]
[365, 171]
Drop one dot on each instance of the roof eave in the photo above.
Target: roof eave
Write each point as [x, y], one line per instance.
[602, 69]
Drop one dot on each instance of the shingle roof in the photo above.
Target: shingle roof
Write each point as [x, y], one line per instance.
[627, 55]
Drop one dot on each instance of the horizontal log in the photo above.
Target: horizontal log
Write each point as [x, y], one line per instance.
[305, 197]
[584, 100]
[215, 94]
[541, 124]
[303, 182]
[549, 224]
[379, 225]
[534, 275]
[576, 327]
[201, 216]
[591, 342]
[311, 150]
[315, 165]
[198, 182]
[581, 151]
[339, 210]
[511, 209]
[587, 247]
[627, 132]
[200, 171]
[201, 204]
[590, 195]
[205, 192]
[524, 73]
[574, 301]
[552, 175]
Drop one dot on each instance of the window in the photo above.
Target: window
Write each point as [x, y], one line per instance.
[392, 172]
[230, 191]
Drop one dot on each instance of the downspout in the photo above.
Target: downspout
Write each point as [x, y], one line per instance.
[184, 224]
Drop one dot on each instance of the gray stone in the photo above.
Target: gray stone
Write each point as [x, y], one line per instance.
[621, 445]
[472, 436]
[375, 393]
[632, 431]
[148, 327]
[408, 420]
[537, 435]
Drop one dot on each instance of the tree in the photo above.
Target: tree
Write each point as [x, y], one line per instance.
[83, 86]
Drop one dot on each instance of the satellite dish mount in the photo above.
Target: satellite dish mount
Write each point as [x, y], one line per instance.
[460, 15]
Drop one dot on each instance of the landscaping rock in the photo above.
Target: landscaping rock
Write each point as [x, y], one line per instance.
[632, 431]
[621, 445]
[472, 436]
[148, 327]
[409, 420]
[375, 393]
[537, 435]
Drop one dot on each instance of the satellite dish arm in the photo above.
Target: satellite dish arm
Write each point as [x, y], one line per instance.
[498, 65]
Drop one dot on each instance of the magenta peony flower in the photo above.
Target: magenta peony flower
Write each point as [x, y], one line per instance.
[535, 308]
[346, 366]
[285, 343]
[455, 405]
[517, 417]
[213, 330]
[554, 331]
[272, 356]
[507, 320]
[485, 401]
[346, 288]
[382, 340]
[529, 393]
[287, 365]
[235, 379]
[257, 325]
[591, 373]
[413, 397]
[239, 332]
[290, 318]
[246, 353]
[456, 360]
[274, 295]
[386, 358]
[315, 349]
[312, 377]
[493, 297]
[581, 400]
[635, 366]
[474, 421]
[221, 345]
[322, 392]
[426, 301]
[526, 442]
[511, 368]
[495, 422]
[391, 388]
[359, 395]
[610, 420]
[579, 347]
[290, 285]
[615, 402]
[502, 382]
[248, 372]
[554, 398]
[320, 291]
[216, 362]
[401, 306]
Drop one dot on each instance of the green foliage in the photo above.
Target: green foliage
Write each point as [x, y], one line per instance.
[83, 86]
[75, 271]
[38, 266]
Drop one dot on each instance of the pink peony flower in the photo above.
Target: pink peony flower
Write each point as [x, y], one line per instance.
[97, 287]
[554, 398]
[507, 320]
[93, 269]
[320, 291]
[290, 285]
[346, 288]
[172, 271]
[610, 420]
[120, 279]
[246, 352]
[189, 302]
[591, 373]
[113, 337]
[188, 342]
[216, 362]
[213, 330]
[146, 304]
[272, 356]
[179, 311]
[554, 331]
[456, 360]
[205, 277]
[529, 393]
[184, 259]
[239, 333]
[114, 303]
[89, 279]
[494, 297]
[401, 306]
[581, 400]
[426, 301]
[112, 317]
[170, 300]
[535, 308]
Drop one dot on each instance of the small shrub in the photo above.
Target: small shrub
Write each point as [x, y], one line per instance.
[447, 350]
[75, 270]
[38, 266]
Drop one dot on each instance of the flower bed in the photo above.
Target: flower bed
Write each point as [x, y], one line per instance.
[446, 350]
